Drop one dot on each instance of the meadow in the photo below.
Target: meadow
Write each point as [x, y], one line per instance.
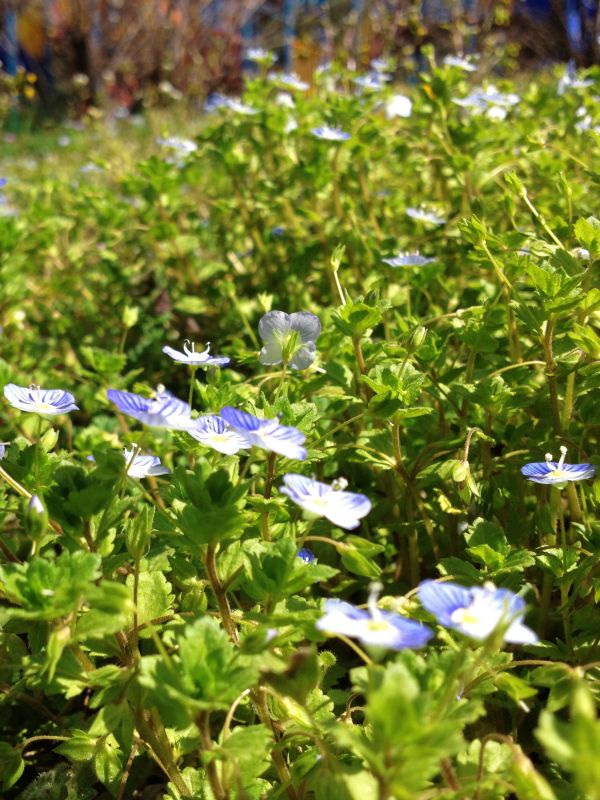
[300, 419]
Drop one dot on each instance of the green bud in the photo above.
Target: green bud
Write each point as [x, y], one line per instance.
[36, 519]
[582, 701]
[131, 314]
[49, 440]
[138, 533]
[416, 338]
[336, 257]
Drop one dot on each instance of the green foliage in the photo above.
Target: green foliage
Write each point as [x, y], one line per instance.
[160, 635]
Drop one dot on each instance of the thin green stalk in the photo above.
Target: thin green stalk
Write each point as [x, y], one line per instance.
[569, 400]
[193, 371]
[551, 375]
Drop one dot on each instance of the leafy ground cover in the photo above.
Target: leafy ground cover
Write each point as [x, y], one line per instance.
[350, 551]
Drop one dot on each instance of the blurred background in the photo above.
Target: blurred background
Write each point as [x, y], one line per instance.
[112, 53]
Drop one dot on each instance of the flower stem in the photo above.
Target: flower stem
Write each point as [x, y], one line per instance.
[193, 371]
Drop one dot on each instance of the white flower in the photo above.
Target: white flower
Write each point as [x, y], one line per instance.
[460, 62]
[398, 105]
[422, 214]
[193, 358]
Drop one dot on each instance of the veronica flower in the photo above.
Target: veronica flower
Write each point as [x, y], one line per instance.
[306, 555]
[344, 509]
[408, 260]
[291, 81]
[182, 147]
[398, 105]
[460, 63]
[267, 434]
[569, 79]
[162, 410]
[142, 466]
[372, 81]
[381, 64]
[212, 431]
[195, 359]
[477, 612]
[47, 402]
[3, 446]
[373, 627]
[552, 473]
[260, 56]
[289, 338]
[422, 214]
[235, 104]
[285, 100]
[330, 134]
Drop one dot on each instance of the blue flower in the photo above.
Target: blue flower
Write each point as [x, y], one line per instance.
[289, 337]
[344, 509]
[47, 402]
[552, 473]
[373, 628]
[422, 214]
[217, 100]
[408, 260]
[306, 555]
[330, 134]
[142, 466]
[267, 434]
[212, 431]
[477, 612]
[3, 446]
[162, 410]
[195, 359]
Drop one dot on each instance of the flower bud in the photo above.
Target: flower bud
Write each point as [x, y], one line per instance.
[416, 338]
[36, 518]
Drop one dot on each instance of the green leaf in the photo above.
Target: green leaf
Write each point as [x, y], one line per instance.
[11, 765]
[248, 750]
[155, 598]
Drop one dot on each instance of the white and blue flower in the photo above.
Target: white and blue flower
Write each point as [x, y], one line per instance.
[267, 434]
[373, 627]
[344, 509]
[193, 358]
[290, 80]
[214, 432]
[408, 260]
[330, 134]
[477, 612]
[289, 338]
[422, 214]
[261, 56]
[161, 411]
[460, 62]
[143, 466]
[557, 473]
[46, 402]
[372, 81]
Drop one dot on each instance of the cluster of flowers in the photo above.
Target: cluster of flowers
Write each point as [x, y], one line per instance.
[478, 613]
[291, 339]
